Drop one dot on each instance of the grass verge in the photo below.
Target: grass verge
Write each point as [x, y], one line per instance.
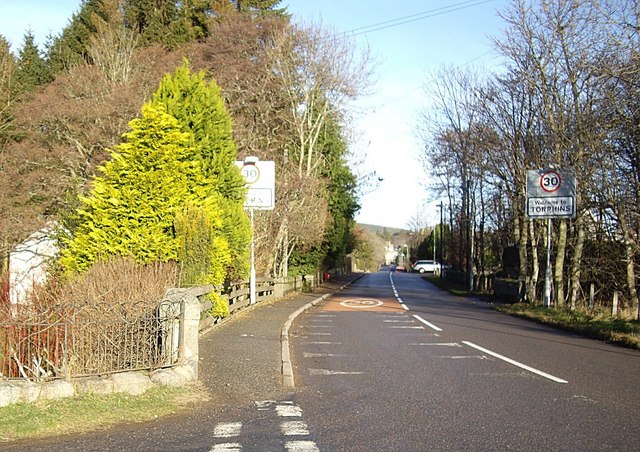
[592, 324]
[91, 412]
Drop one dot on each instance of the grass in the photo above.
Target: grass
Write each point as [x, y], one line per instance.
[624, 331]
[594, 325]
[91, 412]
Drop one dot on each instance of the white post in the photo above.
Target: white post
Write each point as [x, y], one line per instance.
[547, 275]
[252, 277]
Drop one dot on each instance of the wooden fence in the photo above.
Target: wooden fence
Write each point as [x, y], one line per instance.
[238, 295]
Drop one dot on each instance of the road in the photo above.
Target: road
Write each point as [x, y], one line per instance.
[392, 363]
[395, 364]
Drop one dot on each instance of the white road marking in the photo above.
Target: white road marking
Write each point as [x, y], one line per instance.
[294, 428]
[407, 327]
[288, 411]
[332, 372]
[325, 315]
[227, 429]
[430, 325]
[319, 334]
[227, 447]
[515, 363]
[321, 355]
[361, 303]
[324, 343]
[264, 404]
[463, 357]
[321, 326]
[441, 344]
[404, 306]
[398, 321]
[301, 446]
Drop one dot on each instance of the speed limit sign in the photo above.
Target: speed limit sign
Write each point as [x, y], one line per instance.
[551, 193]
[550, 181]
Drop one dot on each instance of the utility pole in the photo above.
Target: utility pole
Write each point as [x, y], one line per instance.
[441, 207]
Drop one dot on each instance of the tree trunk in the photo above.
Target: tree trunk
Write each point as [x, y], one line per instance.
[559, 264]
[629, 249]
[576, 261]
[520, 233]
[535, 264]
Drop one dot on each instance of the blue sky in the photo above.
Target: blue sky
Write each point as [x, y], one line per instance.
[432, 34]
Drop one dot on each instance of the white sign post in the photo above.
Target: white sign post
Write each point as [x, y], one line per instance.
[550, 194]
[260, 178]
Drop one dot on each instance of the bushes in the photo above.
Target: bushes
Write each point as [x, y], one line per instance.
[103, 320]
[170, 192]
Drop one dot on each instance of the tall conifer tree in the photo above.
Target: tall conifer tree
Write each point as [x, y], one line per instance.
[199, 107]
[130, 211]
[32, 68]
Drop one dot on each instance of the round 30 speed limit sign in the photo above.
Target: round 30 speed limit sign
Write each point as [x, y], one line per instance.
[550, 181]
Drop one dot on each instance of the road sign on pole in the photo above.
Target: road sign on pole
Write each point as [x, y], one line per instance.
[260, 178]
[551, 194]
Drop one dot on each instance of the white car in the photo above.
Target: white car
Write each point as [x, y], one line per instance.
[424, 266]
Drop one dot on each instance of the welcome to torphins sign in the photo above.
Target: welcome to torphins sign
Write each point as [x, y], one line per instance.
[551, 194]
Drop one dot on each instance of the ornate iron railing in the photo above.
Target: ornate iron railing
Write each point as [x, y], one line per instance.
[87, 339]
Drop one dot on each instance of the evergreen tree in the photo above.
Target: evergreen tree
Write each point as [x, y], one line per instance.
[167, 22]
[340, 191]
[71, 47]
[199, 107]
[259, 7]
[341, 194]
[132, 207]
[32, 69]
[8, 88]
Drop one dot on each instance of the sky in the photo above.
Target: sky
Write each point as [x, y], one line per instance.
[409, 40]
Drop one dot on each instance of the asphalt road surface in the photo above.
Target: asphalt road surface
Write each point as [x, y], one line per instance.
[392, 363]
[395, 364]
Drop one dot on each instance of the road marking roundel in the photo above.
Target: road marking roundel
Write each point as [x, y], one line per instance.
[550, 181]
[361, 303]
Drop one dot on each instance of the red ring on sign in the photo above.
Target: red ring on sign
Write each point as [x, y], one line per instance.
[556, 187]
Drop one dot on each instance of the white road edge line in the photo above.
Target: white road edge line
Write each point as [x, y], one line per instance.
[430, 325]
[515, 363]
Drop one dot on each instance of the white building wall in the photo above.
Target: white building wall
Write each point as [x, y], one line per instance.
[28, 264]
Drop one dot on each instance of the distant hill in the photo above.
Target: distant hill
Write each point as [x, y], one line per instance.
[382, 229]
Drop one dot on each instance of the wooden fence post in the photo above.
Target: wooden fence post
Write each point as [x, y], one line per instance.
[614, 307]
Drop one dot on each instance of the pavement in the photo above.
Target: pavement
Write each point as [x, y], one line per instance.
[241, 364]
[246, 357]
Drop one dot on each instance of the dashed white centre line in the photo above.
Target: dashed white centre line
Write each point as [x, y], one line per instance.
[332, 372]
[301, 446]
[294, 428]
[515, 363]
[430, 325]
[288, 411]
[227, 447]
[227, 429]
[437, 344]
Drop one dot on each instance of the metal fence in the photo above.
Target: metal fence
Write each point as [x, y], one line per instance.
[83, 340]
[42, 343]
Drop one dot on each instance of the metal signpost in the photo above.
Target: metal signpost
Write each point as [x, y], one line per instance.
[260, 178]
[551, 194]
